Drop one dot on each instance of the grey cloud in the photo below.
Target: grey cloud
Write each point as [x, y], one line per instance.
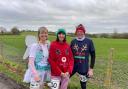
[95, 14]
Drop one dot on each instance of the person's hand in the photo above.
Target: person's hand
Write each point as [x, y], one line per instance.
[77, 74]
[67, 74]
[62, 74]
[90, 73]
[37, 78]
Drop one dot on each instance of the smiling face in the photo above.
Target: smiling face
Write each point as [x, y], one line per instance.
[61, 37]
[80, 31]
[43, 34]
[80, 34]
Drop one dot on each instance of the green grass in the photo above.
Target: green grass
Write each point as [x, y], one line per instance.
[17, 41]
[104, 45]
[15, 46]
[5, 67]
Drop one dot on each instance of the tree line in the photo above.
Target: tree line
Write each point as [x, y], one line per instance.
[115, 34]
[14, 31]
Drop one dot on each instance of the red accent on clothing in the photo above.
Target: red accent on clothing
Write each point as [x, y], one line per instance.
[56, 53]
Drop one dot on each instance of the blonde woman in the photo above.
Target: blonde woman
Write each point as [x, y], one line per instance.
[38, 64]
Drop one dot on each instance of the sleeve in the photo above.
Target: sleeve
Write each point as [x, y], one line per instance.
[92, 59]
[32, 54]
[71, 43]
[71, 46]
[92, 48]
[71, 62]
[92, 53]
[32, 51]
[52, 60]
[32, 66]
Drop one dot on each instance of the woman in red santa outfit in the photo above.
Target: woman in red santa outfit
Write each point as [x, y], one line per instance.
[61, 59]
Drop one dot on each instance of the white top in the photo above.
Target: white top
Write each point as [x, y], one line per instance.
[39, 53]
[44, 50]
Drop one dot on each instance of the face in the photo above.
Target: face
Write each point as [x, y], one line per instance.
[80, 34]
[43, 35]
[61, 37]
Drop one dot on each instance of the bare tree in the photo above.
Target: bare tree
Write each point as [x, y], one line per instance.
[15, 31]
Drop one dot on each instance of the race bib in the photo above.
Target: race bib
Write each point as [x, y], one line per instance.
[83, 78]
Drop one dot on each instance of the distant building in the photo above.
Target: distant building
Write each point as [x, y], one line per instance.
[2, 30]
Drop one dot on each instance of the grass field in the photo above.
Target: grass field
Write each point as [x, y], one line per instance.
[14, 47]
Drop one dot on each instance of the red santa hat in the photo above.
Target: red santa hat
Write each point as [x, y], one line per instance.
[80, 27]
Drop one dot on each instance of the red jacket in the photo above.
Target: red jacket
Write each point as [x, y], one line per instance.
[60, 58]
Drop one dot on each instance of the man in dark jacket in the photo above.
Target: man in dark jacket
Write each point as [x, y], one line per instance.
[82, 48]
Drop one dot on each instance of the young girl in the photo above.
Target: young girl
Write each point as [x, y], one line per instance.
[61, 60]
[38, 65]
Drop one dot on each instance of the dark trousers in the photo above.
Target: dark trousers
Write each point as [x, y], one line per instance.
[83, 84]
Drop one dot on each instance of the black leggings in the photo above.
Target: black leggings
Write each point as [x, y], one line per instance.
[83, 84]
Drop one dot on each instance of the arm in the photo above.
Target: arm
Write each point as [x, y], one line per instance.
[52, 60]
[31, 64]
[92, 62]
[92, 54]
[92, 59]
[71, 62]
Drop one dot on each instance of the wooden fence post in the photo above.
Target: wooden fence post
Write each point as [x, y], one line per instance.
[108, 78]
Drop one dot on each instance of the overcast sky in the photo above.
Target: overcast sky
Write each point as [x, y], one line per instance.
[98, 16]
